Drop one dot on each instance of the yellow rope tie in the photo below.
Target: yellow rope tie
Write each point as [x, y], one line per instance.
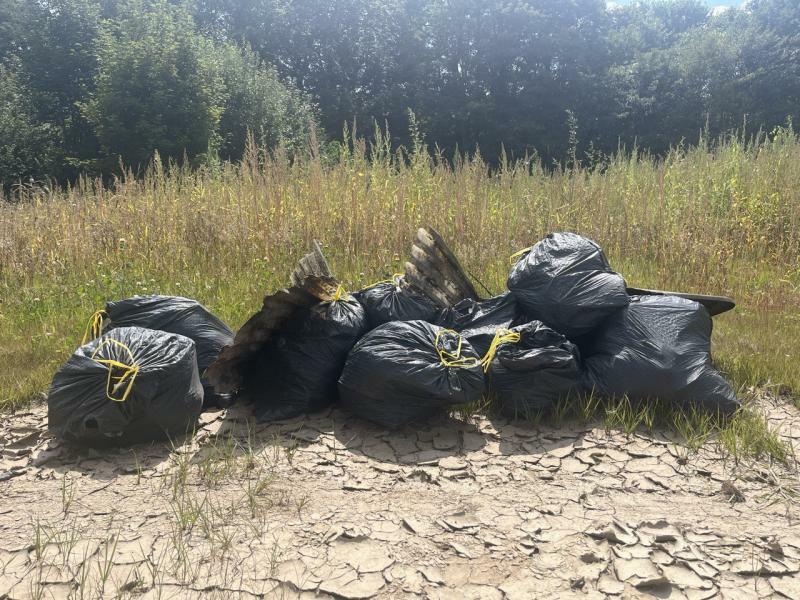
[517, 255]
[115, 382]
[454, 359]
[94, 328]
[502, 336]
[341, 294]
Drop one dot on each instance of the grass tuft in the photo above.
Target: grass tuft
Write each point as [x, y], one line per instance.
[744, 435]
[748, 434]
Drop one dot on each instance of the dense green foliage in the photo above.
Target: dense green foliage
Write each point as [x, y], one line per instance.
[117, 80]
[259, 104]
[159, 86]
[112, 80]
[26, 145]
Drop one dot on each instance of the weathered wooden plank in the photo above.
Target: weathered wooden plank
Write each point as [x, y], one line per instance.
[432, 242]
[437, 267]
[430, 271]
[311, 283]
[311, 265]
[420, 282]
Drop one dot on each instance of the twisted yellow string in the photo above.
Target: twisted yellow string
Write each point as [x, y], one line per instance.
[453, 359]
[129, 372]
[94, 328]
[517, 255]
[341, 294]
[502, 336]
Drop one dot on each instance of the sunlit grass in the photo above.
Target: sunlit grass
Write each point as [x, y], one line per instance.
[724, 220]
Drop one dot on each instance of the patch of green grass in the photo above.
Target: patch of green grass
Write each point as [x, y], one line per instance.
[748, 434]
[744, 435]
[758, 348]
[695, 426]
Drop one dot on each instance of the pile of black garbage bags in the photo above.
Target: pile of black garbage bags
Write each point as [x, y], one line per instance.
[137, 375]
[565, 326]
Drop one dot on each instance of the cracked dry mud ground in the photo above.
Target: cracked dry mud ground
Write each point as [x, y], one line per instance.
[328, 506]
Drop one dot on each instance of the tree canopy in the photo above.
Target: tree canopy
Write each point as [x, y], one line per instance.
[95, 82]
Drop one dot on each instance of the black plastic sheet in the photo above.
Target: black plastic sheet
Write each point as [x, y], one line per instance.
[130, 385]
[395, 301]
[183, 316]
[659, 347]
[298, 370]
[405, 372]
[533, 370]
[477, 321]
[565, 281]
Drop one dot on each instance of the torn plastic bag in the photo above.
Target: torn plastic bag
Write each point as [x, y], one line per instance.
[659, 347]
[565, 281]
[404, 372]
[395, 301]
[298, 369]
[477, 321]
[130, 385]
[530, 368]
[175, 314]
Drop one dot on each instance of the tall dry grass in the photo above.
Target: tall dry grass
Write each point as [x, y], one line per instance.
[721, 218]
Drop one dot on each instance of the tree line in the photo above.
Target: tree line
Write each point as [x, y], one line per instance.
[89, 85]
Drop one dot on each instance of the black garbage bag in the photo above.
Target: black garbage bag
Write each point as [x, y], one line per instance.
[403, 372]
[298, 369]
[477, 321]
[395, 301]
[530, 367]
[659, 347]
[183, 316]
[566, 282]
[130, 385]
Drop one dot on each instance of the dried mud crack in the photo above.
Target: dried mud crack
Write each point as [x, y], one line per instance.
[331, 507]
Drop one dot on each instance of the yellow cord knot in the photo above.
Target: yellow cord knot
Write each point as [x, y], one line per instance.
[127, 372]
[502, 336]
[95, 326]
[341, 294]
[453, 359]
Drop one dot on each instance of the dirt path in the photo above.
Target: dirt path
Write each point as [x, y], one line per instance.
[328, 506]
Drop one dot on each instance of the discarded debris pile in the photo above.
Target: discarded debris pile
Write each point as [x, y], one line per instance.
[562, 293]
[401, 350]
